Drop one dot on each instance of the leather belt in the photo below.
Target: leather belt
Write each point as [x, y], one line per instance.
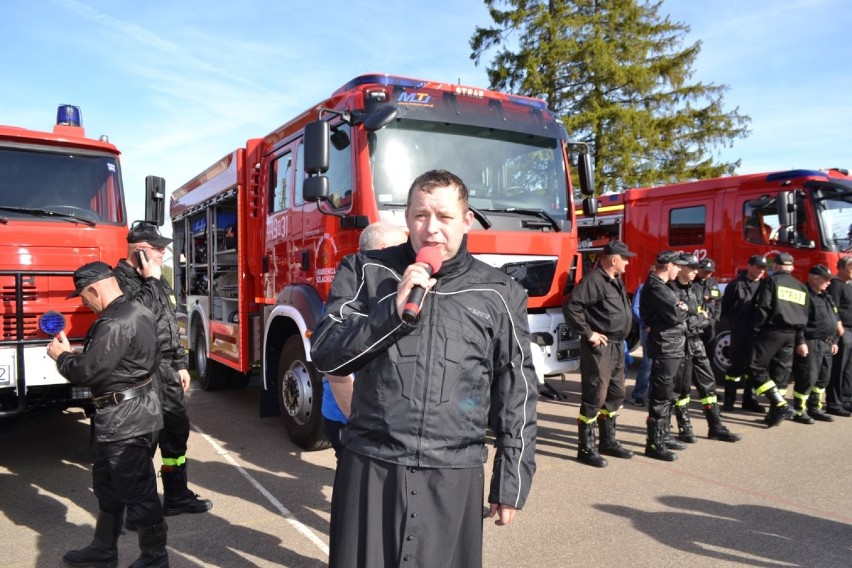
[114, 398]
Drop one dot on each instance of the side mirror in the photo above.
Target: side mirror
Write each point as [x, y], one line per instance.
[784, 207]
[315, 189]
[155, 200]
[380, 118]
[590, 207]
[316, 147]
[587, 175]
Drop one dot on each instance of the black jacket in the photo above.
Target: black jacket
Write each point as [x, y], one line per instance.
[781, 302]
[426, 392]
[738, 299]
[667, 322]
[120, 352]
[599, 303]
[822, 318]
[709, 289]
[159, 297]
[841, 293]
[692, 296]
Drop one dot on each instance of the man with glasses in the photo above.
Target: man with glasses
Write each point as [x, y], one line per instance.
[140, 278]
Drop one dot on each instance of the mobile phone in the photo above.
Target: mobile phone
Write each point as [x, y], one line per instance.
[141, 256]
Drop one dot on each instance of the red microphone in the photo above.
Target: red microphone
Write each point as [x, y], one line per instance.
[432, 257]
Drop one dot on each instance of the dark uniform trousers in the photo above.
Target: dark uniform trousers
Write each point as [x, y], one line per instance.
[664, 372]
[696, 370]
[813, 370]
[740, 351]
[772, 358]
[602, 377]
[840, 386]
[124, 473]
[175, 433]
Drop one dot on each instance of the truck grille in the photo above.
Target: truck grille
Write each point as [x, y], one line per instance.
[567, 343]
[10, 323]
[7, 293]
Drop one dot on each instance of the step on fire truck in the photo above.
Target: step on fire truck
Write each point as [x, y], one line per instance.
[802, 212]
[61, 206]
[258, 235]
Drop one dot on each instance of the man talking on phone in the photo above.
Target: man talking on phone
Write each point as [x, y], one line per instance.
[140, 278]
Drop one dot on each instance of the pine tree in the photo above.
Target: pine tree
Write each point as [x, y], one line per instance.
[617, 74]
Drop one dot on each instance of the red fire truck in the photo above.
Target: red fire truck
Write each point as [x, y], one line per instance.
[259, 234]
[805, 213]
[61, 206]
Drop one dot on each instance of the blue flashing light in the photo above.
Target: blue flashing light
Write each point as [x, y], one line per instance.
[781, 176]
[527, 102]
[390, 80]
[69, 115]
[51, 322]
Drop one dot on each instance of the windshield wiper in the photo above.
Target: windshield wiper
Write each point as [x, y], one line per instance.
[35, 212]
[541, 213]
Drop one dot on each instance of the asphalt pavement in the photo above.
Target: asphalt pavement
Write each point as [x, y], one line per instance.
[779, 497]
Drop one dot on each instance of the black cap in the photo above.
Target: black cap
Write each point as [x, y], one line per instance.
[820, 270]
[617, 247]
[666, 256]
[88, 274]
[707, 264]
[758, 260]
[145, 232]
[783, 259]
[689, 260]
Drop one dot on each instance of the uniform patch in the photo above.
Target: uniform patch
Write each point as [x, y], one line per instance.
[791, 295]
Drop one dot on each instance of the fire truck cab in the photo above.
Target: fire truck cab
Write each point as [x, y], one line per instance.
[258, 235]
[807, 213]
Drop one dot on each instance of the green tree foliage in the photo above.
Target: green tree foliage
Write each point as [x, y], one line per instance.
[617, 74]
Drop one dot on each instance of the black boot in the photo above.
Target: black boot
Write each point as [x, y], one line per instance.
[801, 416]
[670, 441]
[177, 498]
[587, 451]
[750, 402]
[102, 552]
[152, 543]
[730, 395]
[654, 446]
[815, 407]
[608, 444]
[779, 410]
[718, 431]
[684, 425]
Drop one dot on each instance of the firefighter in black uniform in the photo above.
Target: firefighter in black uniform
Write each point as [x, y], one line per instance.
[780, 311]
[838, 395]
[600, 312]
[736, 308]
[140, 277]
[117, 362]
[666, 317]
[814, 349]
[696, 369]
[709, 288]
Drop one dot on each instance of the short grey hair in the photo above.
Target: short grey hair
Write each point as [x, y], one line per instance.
[381, 234]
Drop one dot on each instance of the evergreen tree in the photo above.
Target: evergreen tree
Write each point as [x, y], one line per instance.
[617, 74]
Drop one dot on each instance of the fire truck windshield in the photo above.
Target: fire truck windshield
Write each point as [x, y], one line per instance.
[60, 186]
[503, 170]
[833, 205]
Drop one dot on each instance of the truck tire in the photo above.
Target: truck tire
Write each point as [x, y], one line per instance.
[300, 397]
[719, 354]
[212, 375]
[239, 380]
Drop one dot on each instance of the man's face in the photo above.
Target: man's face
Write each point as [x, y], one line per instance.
[845, 273]
[619, 264]
[153, 253]
[91, 299]
[755, 271]
[704, 274]
[818, 283]
[674, 269]
[687, 274]
[437, 219]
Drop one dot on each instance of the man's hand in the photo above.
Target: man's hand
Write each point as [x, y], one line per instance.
[505, 513]
[414, 275]
[58, 346]
[148, 268]
[802, 350]
[597, 339]
[183, 375]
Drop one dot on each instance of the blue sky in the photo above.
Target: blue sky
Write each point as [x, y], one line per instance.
[177, 85]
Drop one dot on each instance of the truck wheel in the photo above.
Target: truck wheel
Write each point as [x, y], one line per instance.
[720, 355]
[211, 374]
[300, 397]
[239, 380]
